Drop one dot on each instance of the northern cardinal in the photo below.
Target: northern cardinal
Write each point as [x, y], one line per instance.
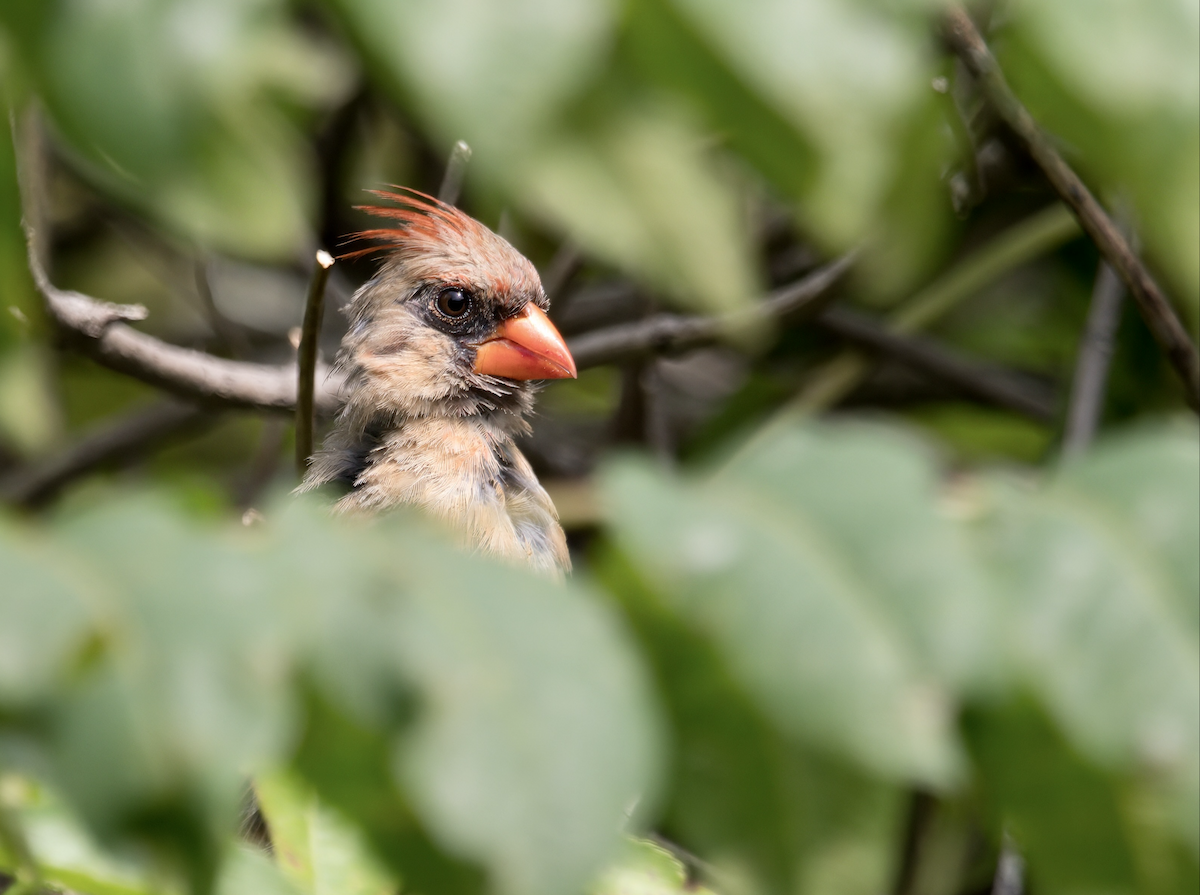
[441, 344]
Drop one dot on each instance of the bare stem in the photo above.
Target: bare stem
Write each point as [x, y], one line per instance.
[966, 41]
[456, 172]
[1092, 363]
[306, 361]
[666, 333]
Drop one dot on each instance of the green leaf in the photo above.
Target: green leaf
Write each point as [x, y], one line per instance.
[65, 853]
[845, 74]
[764, 815]
[248, 871]
[1064, 814]
[514, 64]
[874, 495]
[643, 194]
[44, 620]
[800, 618]
[319, 852]
[1099, 576]
[535, 733]
[1146, 479]
[646, 869]
[177, 107]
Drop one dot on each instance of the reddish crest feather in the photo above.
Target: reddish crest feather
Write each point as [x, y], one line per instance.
[422, 219]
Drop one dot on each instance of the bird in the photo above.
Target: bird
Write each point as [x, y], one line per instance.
[439, 357]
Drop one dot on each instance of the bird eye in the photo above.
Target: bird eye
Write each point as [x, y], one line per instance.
[453, 303]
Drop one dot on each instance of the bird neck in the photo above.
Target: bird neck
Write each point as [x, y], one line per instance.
[465, 469]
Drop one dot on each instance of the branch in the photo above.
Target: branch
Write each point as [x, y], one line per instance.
[1091, 365]
[456, 173]
[114, 441]
[306, 359]
[1032, 237]
[98, 330]
[988, 384]
[669, 333]
[965, 40]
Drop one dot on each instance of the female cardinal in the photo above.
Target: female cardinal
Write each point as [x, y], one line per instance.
[442, 341]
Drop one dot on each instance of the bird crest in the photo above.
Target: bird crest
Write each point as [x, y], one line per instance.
[423, 223]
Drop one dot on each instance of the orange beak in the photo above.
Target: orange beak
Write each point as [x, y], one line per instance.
[526, 347]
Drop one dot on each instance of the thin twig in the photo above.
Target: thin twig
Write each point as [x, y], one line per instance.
[668, 333]
[1032, 237]
[115, 441]
[306, 361]
[456, 172]
[1010, 871]
[981, 381]
[1092, 362]
[966, 41]
[98, 330]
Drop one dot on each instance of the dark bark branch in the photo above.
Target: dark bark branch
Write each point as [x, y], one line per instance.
[1092, 362]
[966, 41]
[988, 384]
[114, 441]
[665, 333]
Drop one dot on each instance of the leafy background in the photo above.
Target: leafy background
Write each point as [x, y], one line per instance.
[836, 626]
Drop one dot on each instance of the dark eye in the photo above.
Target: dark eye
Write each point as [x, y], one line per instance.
[453, 303]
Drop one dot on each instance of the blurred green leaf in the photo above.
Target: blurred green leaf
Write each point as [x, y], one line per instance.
[44, 622]
[802, 619]
[248, 871]
[529, 737]
[65, 853]
[534, 736]
[492, 74]
[871, 493]
[29, 418]
[317, 850]
[768, 816]
[847, 75]
[176, 106]
[1064, 814]
[646, 869]
[1101, 604]
[645, 196]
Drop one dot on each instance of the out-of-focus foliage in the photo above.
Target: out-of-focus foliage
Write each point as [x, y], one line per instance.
[151, 662]
[810, 666]
[815, 657]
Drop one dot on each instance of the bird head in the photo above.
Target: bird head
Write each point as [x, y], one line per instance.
[454, 321]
